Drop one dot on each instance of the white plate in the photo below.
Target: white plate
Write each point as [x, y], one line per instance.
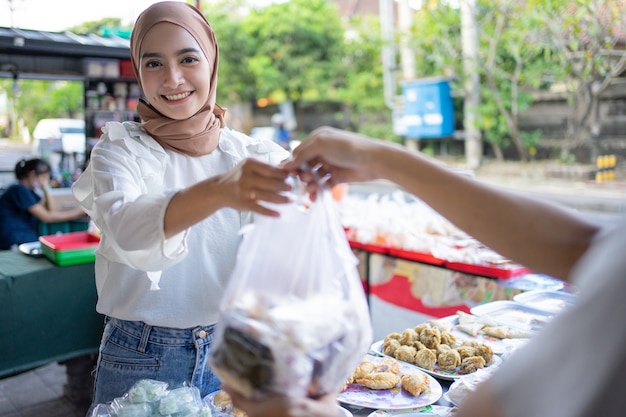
[553, 301]
[31, 249]
[390, 399]
[429, 410]
[436, 372]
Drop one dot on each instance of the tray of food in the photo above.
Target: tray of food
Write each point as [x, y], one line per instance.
[437, 352]
[553, 301]
[514, 315]
[380, 382]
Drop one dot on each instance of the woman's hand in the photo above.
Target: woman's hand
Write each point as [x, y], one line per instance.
[252, 182]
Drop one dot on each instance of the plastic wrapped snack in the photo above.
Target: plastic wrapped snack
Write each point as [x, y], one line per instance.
[294, 318]
[149, 398]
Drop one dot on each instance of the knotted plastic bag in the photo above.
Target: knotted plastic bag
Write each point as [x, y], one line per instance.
[294, 319]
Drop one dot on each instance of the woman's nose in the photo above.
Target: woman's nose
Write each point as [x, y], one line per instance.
[173, 77]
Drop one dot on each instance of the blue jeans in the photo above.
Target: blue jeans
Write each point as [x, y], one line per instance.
[132, 350]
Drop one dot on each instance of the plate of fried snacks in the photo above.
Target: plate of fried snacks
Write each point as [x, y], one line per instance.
[388, 384]
[437, 352]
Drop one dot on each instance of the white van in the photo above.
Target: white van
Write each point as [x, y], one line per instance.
[54, 139]
[59, 135]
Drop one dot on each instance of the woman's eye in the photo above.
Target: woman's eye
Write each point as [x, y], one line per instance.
[189, 60]
[152, 64]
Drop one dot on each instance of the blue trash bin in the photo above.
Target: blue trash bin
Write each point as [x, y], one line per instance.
[428, 109]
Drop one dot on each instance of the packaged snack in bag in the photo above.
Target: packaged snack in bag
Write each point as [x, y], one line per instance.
[294, 319]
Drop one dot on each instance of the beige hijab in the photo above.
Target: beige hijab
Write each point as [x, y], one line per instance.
[199, 134]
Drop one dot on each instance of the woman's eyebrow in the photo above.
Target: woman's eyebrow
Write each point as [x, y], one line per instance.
[179, 52]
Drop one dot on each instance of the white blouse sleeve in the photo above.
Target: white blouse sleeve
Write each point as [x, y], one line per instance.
[122, 191]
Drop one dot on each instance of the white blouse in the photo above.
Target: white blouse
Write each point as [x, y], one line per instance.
[140, 275]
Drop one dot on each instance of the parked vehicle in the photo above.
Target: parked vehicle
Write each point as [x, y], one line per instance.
[61, 142]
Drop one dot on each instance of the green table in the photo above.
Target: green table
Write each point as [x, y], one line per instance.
[47, 312]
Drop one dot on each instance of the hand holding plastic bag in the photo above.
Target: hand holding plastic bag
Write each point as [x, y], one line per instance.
[294, 318]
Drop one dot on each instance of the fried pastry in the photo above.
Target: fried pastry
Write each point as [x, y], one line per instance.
[390, 346]
[388, 365]
[379, 380]
[472, 329]
[448, 338]
[431, 337]
[415, 383]
[418, 329]
[222, 400]
[426, 359]
[405, 353]
[419, 345]
[394, 335]
[443, 325]
[466, 351]
[448, 360]
[486, 352]
[363, 368]
[408, 336]
[504, 332]
[442, 348]
[472, 364]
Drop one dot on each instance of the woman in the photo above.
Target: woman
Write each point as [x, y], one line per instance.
[26, 203]
[169, 196]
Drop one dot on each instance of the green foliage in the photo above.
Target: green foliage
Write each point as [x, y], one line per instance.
[46, 99]
[101, 27]
[297, 49]
[360, 79]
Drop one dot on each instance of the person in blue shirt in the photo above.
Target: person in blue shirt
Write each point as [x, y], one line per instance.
[25, 203]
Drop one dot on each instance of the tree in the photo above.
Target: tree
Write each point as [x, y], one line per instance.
[511, 63]
[297, 49]
[586, 34]
[512, 67]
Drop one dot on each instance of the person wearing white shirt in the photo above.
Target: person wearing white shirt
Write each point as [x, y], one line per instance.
[169, 196]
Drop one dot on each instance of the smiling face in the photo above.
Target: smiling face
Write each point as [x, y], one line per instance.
[175, 74]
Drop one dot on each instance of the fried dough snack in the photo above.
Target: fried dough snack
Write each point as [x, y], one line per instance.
[222, 400]
[430, 337]
[390, 346]
[405, 353]
[388, 365]
[363, 368]
[486, 352]
[426, 359]
[415, 383]
[379, 380]
[409, 336]
[448, 360]
[466, 351]
[448, 338]
[472, 364]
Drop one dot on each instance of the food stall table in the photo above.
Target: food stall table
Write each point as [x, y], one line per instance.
[47, 312]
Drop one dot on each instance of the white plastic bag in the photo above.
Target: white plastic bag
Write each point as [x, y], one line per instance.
[294, 319]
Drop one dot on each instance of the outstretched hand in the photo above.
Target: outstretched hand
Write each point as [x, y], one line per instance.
[334, 155]
[252, 182]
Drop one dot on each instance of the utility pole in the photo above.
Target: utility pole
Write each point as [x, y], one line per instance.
[407, 56]
[469, 43]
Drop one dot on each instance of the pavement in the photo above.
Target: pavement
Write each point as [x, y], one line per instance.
[55, 390]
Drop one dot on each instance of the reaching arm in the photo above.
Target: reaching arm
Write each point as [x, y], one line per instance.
[52, 216]
[541, 236]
